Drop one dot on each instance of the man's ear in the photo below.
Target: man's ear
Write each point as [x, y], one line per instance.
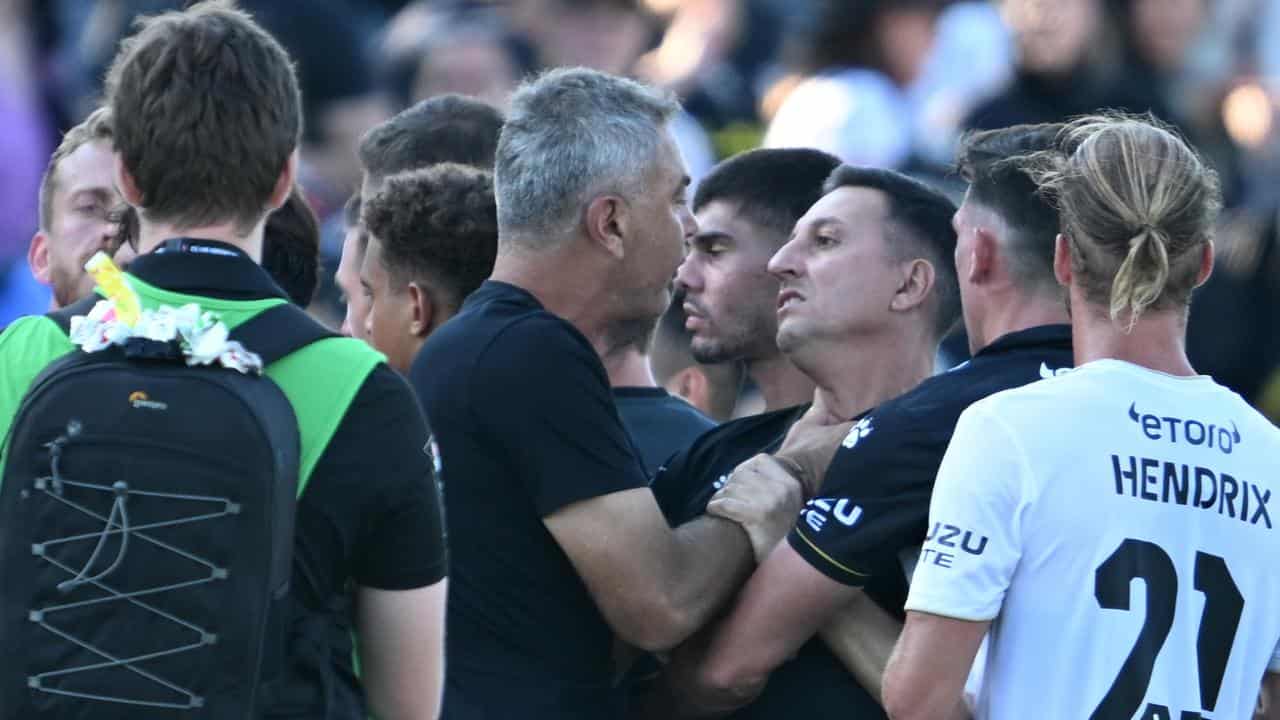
[917, 282]
[423, 309]
[284, 183]
[1062, 260]
[608, 223]
[692, 386]
[983, 256]
[1206, 263]
[38, 257]
[126, 183]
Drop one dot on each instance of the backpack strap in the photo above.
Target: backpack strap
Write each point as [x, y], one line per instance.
[279, 331]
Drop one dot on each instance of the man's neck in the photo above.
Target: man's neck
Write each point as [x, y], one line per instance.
[1157, 341]
[628, 367]
[1014, 312]
[562, 281]
[781, 383]
[152, 235]
[860, 375]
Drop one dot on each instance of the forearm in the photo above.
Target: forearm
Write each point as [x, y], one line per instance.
[689, 687]
[862, 636]
[714, 560]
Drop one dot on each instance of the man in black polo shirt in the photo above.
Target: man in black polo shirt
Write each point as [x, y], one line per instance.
[746, 208]
[557, 541]
[368, 541]
[868, 287]
[868, 519]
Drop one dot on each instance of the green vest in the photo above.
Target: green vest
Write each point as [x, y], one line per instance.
[320, 381]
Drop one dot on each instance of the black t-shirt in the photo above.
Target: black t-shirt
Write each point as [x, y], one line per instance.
[525, 424]
[687, 481]
[370, 514]
[874, 502]
[659, 423]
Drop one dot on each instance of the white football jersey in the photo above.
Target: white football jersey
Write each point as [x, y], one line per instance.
[1118, 526]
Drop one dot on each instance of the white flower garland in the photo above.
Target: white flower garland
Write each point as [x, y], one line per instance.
[200, 334]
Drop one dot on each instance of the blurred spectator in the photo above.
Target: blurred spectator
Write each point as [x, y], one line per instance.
[1054, 79]
[711, 54]
[971, 59]
[861, 57]
[1155, 42]
[474, 57]
[339, 95]
[605, 35]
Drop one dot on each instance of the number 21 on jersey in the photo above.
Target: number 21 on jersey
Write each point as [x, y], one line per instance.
[1139, 559]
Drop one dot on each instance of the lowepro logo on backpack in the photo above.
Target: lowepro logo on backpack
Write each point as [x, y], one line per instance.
[140, 399]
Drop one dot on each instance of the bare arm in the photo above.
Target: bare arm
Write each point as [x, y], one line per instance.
[926, 675]
[401, 636]
[781, 607]
[862, 636]
[656, 586]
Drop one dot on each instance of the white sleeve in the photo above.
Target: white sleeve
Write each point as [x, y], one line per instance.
[974, 538]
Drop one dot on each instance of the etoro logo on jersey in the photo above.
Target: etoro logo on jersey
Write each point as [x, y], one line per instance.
[1190, 431]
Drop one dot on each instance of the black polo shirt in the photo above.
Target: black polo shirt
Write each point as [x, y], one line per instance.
[659, 423]
[687, 481]
[522, 414]
[874, 502]
[370, 515]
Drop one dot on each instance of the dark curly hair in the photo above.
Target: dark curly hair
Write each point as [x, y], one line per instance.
[436, 225]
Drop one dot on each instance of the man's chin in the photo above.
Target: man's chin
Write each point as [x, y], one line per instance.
[714, 354]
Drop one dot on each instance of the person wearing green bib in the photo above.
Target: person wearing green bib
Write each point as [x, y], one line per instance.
[207, 119]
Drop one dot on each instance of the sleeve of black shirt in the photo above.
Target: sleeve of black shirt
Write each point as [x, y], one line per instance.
[543, 393]
[873, 504]
[400, 541]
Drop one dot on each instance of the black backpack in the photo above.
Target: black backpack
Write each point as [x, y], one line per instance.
[147, 531]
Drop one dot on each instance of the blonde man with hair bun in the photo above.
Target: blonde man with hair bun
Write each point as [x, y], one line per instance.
[1054, 497]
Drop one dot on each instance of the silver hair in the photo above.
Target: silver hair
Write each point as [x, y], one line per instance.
[572, 134]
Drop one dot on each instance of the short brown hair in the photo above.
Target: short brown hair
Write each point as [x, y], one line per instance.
[1136, 204]
[437, 225]
[94, 128]
[448, 128]
[207, 113]
[988, 161]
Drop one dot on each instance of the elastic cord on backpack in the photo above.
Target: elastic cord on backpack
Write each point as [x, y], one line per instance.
[118, 509]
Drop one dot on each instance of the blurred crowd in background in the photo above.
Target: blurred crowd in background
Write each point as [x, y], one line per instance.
[888, 83]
